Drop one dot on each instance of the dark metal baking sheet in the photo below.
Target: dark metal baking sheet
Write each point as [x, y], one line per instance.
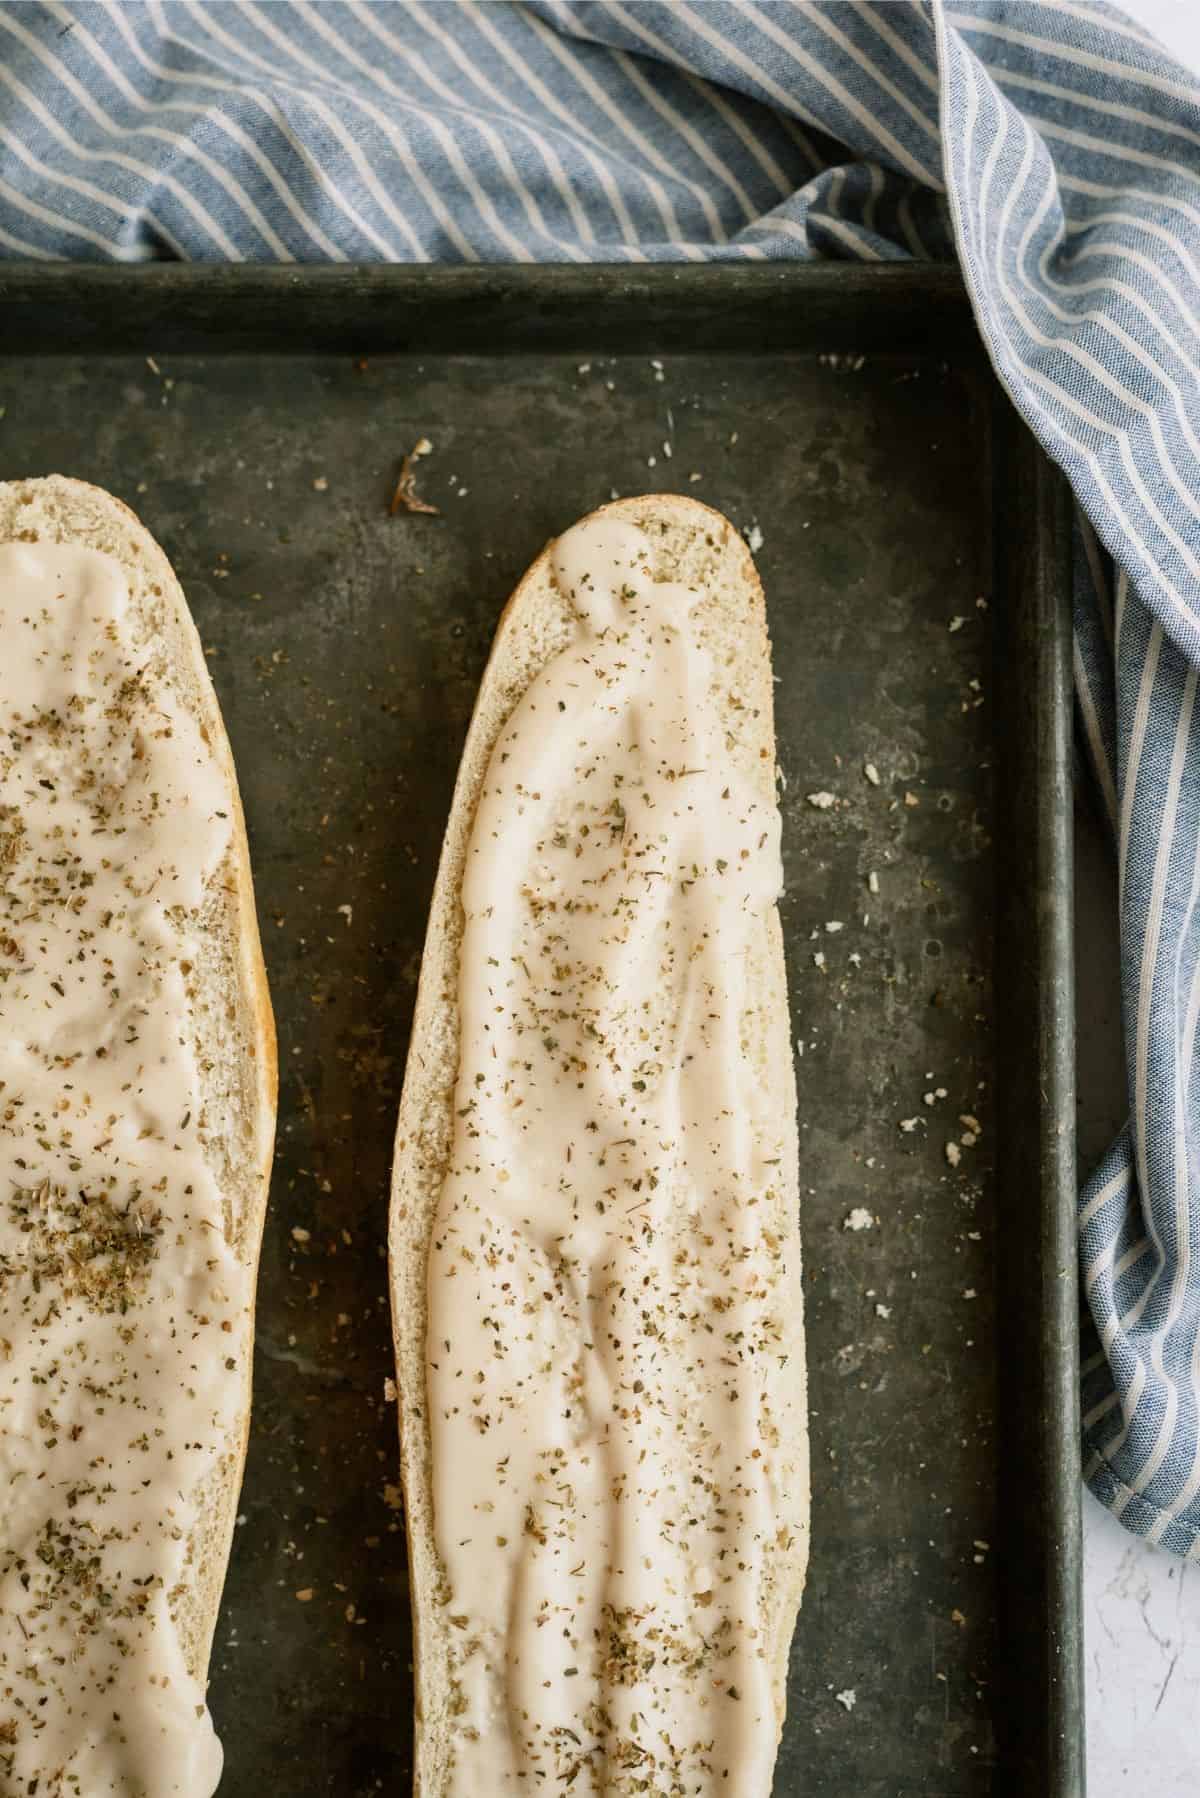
[912, 545]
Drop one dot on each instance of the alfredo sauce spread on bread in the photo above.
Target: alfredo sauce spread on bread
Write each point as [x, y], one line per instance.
[123, 1309]
[612, 1297]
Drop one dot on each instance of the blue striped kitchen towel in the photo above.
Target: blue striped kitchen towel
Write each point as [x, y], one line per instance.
[1055, 149]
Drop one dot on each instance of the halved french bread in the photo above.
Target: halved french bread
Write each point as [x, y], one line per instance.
[137, 1114]
[677, 541]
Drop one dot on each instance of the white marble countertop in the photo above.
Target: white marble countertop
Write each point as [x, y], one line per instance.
[1142, 1643]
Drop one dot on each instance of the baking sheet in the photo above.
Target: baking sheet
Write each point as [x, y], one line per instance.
[346, 646]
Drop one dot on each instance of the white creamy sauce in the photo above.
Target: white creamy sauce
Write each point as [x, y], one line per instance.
[123, 1309]
[608, 1283]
